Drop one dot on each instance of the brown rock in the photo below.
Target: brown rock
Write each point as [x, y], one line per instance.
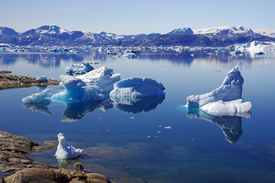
[39, 175]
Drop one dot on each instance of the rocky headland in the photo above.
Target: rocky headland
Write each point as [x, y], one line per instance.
[13, 159]
[8, 81]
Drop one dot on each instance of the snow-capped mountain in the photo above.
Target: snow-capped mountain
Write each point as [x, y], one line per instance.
[224, 29]
[265, 32]
[46, 29]
[181, 31]
[50, 35]
[116, 37]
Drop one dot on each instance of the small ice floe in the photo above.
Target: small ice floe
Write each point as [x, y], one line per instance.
[66, 151]
[42, 79]
[131, 117]
[149, 136]
[158, 131]
[167, 127]
[129, 56]
[159, 126]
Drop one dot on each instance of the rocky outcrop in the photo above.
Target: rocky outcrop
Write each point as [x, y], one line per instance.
[50, 176]
[8, 80]
[13, 158]
[13, 151]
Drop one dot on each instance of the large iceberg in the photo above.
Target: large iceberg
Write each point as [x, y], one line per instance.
[136, 88]
[255, 48]
[91, 86]
[66, 151]
[225, 100]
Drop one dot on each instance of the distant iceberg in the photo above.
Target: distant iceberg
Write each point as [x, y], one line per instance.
[129, 56]
[66, 151]
[225, 100]
[82, 68]
[255, 48]
[91, 86]
[136, 88]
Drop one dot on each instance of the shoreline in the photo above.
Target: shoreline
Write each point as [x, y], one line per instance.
[10, 81]
[13, 160]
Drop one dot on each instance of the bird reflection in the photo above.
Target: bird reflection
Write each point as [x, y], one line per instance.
[230, 125]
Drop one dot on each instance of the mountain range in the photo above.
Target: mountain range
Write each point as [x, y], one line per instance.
[50, 35]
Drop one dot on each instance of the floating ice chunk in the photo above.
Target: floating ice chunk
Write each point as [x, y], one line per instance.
[42, 79]
[38, 98]
[87, 87]
[79, 68]
[66, 151]
[136, 88]
[129, 56]
[225, 100]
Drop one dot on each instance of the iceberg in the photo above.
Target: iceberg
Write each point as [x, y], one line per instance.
[82, 68]
[134, 89]
[38, 98]
[66, 151]
[255, 48]
[42, 79]
[129, 56]
[92, 86]
[225, 100]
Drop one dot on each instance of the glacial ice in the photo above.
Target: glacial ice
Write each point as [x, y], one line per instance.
[79, 68]
[66, 151]
[41, 98]
[129, 56]
[91, 86]
[225, 100]
[136, 88]
[255, 47]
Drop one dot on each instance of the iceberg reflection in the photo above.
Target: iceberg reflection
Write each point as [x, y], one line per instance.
[144, 104]
[38, 107]
[76, 110]
[230, 125]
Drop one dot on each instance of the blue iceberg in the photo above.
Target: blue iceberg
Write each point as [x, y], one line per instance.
[92, 86]
[225, 100]
[41, 98]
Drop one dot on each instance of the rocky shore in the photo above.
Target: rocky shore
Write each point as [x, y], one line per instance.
[13, 159]
[8, 80]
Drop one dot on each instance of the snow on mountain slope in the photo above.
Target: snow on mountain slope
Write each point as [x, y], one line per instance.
[224, 29]
[265, 32]
[181, 31]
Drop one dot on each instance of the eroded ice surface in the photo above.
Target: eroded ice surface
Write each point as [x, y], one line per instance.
[41, 98]
[79, 68]
[66, 151]
[91, 86]
[133, 89]
[225, 100]
[255, 47]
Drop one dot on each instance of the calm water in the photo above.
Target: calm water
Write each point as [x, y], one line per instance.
[131, 143]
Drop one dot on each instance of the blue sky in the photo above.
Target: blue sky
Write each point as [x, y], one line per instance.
[135, 17]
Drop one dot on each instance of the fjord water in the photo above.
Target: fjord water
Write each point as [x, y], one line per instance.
[156, 140]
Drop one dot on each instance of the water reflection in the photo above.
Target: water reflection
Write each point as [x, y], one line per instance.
[76, 110]
[65, 163]
[144, 104]
[230, 125]
[38, 107]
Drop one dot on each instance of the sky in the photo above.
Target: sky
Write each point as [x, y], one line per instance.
[129, 17]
